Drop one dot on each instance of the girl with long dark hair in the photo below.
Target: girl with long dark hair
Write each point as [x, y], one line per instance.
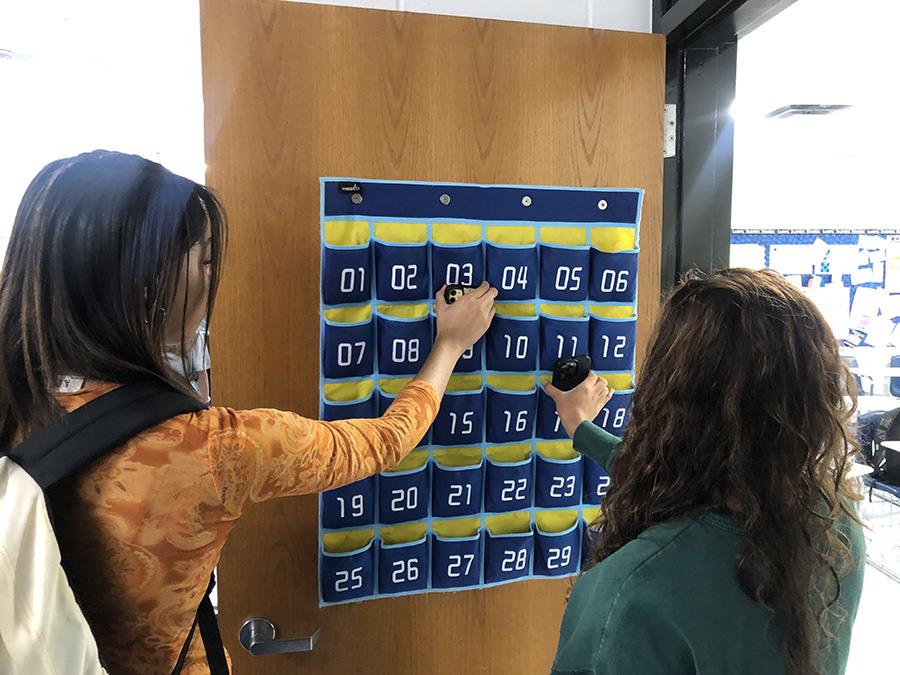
[729, 540]
[112, 258]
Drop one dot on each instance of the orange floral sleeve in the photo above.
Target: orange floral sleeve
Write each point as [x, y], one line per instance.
[255, 455]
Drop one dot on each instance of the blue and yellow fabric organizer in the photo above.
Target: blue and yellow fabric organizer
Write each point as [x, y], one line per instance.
[495, 492]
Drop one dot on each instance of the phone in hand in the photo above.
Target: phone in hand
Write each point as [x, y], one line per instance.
[570, 371]
[454, 292]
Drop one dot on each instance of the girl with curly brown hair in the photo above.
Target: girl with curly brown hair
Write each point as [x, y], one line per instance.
[729, 540]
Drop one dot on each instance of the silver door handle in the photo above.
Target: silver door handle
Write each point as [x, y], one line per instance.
[257, 636]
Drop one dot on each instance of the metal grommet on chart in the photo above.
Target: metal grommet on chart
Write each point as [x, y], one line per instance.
[526, 201]
[445, 199]
[602, 205]
[356, 198]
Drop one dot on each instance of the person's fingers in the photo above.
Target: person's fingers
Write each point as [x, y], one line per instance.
[439, 298]
[551, 390]
[481, 290]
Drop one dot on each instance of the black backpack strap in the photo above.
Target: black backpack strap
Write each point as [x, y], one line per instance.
[99, 426]
[209, 631]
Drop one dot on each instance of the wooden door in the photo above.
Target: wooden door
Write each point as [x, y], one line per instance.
[294, 92]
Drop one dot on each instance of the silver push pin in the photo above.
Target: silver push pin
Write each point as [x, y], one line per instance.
[526, 201]
[602, 205]
[356, 198]
[445, 199]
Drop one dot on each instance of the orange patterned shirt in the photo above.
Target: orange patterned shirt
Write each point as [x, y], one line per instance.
[142, 529]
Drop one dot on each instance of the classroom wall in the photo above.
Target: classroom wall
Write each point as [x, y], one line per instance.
[126, 76]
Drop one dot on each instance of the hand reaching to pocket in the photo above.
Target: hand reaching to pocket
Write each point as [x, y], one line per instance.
[461, 324]
[584, 402]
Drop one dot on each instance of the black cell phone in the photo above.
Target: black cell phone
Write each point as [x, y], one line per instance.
[454, 292]
[570, 371]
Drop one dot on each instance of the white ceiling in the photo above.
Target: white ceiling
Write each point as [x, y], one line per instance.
[839, 170]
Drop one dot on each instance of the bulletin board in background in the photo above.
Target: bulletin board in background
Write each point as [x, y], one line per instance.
[852, 275]
[495, 492]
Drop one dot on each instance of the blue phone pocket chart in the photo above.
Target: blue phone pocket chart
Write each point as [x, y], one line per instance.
[494, 492]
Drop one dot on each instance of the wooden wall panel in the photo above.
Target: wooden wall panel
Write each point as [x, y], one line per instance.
[297, 91]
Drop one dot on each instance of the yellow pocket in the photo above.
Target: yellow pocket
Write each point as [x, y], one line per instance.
[508, 523]
[613, 311]
[555, 521]
[456, 529]
[349, 314]
[509, 454]
[346, 232]
[613, 239]
[348, 391]
[402, 233]
[403, 534]
[455, 233]
[348, 541]
[564, 236]
[404, 311]
[455, 457]
[414, 460]
[560, 450]
[513, 382]
[514, 309]
[511, 235]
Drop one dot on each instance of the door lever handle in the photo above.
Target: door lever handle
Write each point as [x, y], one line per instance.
[257, 636]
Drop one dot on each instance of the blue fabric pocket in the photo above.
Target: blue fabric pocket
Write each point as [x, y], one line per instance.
[614, 276]
[403, 344]
[349, 410]
[384, 402]
[346, 275]
[512, 343]
[401, 272]
[463, 264]
[612, 344]
[557, 482]
[510, 415]
[513, 271]
[460, 420]
[348, 349]
[403, 495]
[349, 506]
[507, 555]
[596, 482]
[564, 273]
[549, 426]
[507, 486]
[403, 568]
[557, 554]
[455, 561]
[562, 337]
[348, 576]
[456, 490]
[615, 414]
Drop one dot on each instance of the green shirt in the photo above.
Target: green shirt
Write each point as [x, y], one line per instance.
[669, 601]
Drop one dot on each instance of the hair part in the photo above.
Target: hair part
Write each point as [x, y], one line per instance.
[95, 257]
[742, 407]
